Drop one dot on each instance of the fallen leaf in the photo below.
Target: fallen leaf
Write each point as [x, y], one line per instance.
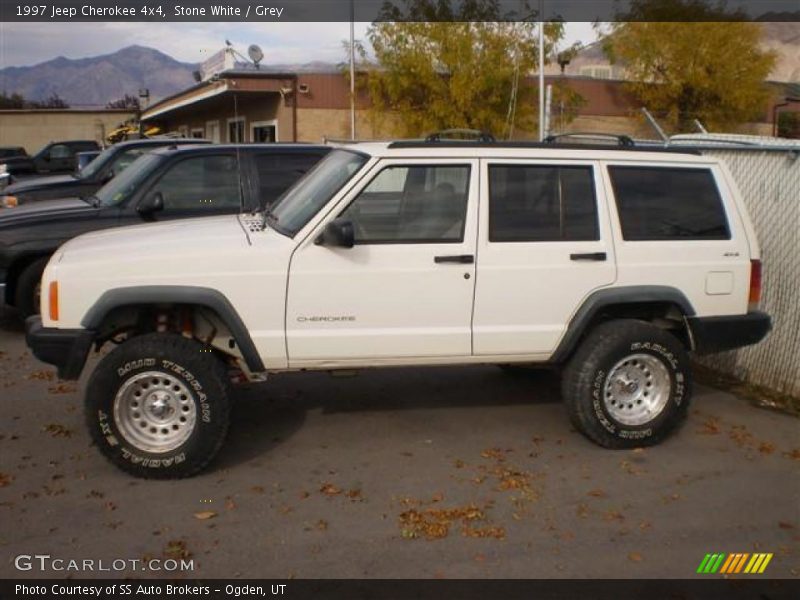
[793, 454]
[5, 479]
[176, 549]
[57, 430]
[635, 557]
[710, 427]
[229, 503]
[257, 489]
[598, 493]
[111, 506]
[766, 448]
[329, 489]
[204, 515]
[354, 495]
[322, 525]
[785, 525]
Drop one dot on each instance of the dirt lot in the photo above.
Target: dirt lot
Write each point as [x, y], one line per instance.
[446, 472]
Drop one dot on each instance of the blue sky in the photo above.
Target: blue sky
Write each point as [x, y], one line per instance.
[24, 44]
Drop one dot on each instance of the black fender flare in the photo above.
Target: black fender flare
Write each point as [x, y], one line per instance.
[178, 294]
[600, 299]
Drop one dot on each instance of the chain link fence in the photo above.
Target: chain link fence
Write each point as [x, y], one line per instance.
[767, 171]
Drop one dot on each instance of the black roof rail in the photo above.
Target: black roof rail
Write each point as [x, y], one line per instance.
[622, 140]
[463, 135]
[540, 145]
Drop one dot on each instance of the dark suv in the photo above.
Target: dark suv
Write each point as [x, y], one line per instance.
[111, 162]
[59, 157]
[169, 183]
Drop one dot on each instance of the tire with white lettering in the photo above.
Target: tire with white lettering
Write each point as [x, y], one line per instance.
[158, 406]
[628, 384]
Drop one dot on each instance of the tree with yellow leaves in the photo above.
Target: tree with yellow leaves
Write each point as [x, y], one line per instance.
[713, 71]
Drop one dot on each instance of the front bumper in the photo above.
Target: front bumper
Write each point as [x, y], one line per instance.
[67, 349]
[717, 334]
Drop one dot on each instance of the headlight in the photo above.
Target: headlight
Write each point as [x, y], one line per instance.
[9, 201]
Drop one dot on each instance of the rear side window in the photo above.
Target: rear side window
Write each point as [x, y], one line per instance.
[277, 173]
[541, 203]
[658, 203]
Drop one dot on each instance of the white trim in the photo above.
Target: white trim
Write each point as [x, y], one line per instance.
[228, 122]
[183, 130]
[216, 91]
[270, 123]
[219, 130]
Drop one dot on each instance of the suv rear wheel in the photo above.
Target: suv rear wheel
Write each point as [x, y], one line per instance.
[158, 406]
[628, 385]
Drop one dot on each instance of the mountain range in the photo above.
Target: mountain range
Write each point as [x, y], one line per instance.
[97, 80]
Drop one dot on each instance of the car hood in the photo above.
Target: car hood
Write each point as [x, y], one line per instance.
[44, 210]
[168, 239]
[37, 183]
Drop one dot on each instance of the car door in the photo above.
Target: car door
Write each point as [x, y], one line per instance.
[544, 246]
[404, 291]
[62, 158]
[196, 186]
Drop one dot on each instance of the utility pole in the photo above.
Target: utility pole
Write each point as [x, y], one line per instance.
[352, 73]
[541, 71]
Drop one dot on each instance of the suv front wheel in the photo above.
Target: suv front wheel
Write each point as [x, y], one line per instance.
[628, 384]
[158, 406]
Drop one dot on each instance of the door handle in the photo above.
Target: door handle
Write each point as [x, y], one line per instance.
[588, 256]
[462, 259]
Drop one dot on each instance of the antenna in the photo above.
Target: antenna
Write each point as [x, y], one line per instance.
[255, 54]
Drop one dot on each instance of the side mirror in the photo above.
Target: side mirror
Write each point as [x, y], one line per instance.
[150, 204]
[108, 177]
[339, 233]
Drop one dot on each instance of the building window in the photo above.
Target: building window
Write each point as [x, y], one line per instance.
[264, 131]
[198, 133]
[236, 131]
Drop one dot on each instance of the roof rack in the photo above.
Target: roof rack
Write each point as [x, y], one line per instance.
[622, 140]
[539, 145]
[461, 135]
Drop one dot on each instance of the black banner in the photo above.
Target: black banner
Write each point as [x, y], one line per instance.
[397, 10]
[218, 589]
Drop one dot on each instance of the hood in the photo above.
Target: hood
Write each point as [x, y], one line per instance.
[171, 239]
[37, 183]
[45, 210]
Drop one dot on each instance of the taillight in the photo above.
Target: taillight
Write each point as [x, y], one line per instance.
[755, 284]
[53, 300]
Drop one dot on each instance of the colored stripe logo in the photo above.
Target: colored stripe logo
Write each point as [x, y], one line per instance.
[741, 562]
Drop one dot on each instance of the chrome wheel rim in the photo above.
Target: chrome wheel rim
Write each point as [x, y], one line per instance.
[637, 389]
[155, 412]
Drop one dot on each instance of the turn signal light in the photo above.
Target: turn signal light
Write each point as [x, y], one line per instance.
[755, 284]
[53, 301]
[10, 201]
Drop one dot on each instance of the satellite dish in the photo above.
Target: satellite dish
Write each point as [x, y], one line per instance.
[255, 54]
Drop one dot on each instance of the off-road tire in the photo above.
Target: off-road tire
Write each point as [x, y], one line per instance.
[193, 369]
[585, 377]
[27, 283]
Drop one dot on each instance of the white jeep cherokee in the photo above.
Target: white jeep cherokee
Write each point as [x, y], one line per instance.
[611, 263]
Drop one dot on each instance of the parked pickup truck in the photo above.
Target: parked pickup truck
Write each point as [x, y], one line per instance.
[111, 162]
[173, 182]
[612, 264]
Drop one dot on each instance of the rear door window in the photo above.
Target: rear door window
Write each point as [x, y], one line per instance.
[542, 203]
[668, 203]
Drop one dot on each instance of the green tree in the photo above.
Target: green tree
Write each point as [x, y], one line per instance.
[709, 70]
[457, 74]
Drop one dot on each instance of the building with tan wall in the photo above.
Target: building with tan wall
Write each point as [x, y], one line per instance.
[33, 129]
[249, 105]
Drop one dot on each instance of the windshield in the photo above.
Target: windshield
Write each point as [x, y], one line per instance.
[100, 161]
[304, 199]
[123, 185]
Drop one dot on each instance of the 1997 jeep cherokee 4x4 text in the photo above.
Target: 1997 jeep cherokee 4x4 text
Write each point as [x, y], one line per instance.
[614, 263]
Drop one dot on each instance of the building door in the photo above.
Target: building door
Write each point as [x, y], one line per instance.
[265, 132]
[212, 129]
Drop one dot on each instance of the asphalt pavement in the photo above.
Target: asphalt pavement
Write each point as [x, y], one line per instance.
[399, 473]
